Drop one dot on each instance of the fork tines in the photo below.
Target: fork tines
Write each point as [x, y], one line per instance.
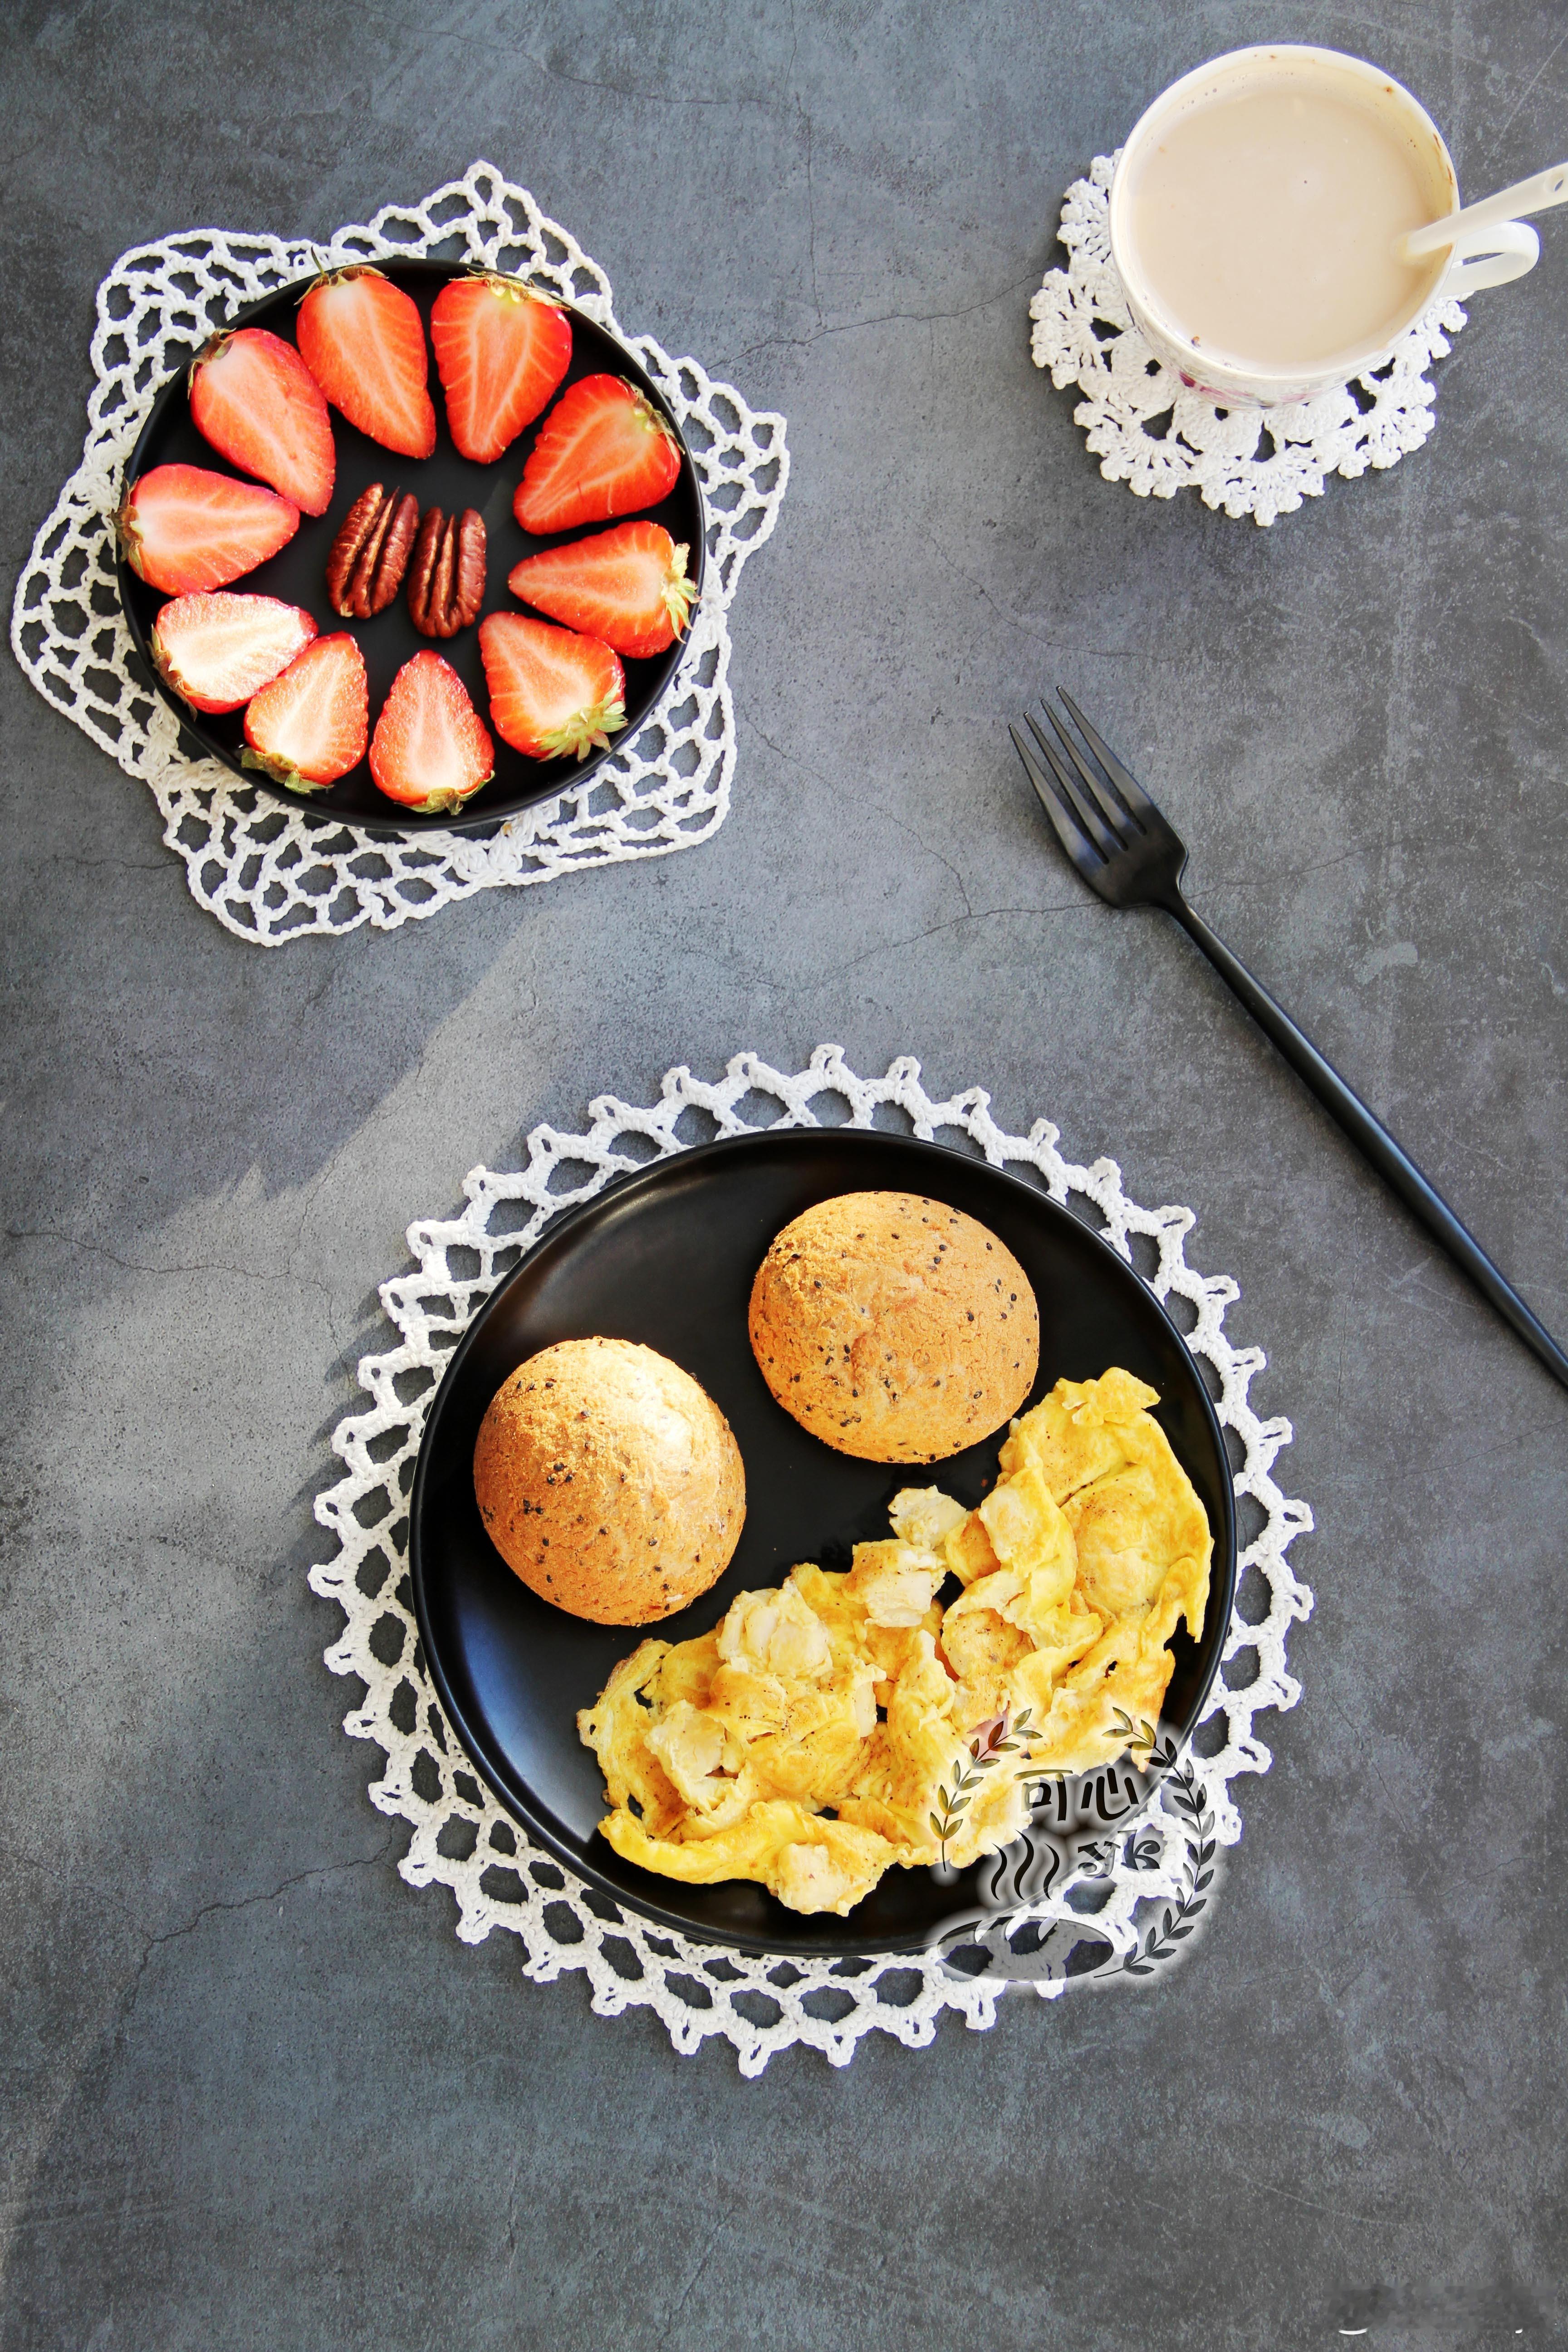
[1099, 813]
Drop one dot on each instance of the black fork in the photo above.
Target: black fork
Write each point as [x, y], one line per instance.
[1126, 851]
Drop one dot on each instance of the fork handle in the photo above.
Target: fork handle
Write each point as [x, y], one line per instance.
[1372, 1140]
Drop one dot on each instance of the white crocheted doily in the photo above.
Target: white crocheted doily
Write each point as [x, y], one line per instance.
[1150, 432]
[270, 872]
[1129, 1904]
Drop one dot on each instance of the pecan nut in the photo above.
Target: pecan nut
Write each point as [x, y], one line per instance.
[370, 553]
[447, 573]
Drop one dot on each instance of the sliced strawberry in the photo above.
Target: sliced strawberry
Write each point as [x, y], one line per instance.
[501, 351]
[430, 751]
[217, 651]
[604, 450]
[553, 693]
[252, 397]
[363, 340]
[310, 726]
[627, 586]
[183, 529]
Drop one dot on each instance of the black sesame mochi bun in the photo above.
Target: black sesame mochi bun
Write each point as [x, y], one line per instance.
[894, 1328]
[609, 1481]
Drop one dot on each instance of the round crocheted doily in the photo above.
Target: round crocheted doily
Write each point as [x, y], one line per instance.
[1150, 432]
[1126, 1908]
[272, 873]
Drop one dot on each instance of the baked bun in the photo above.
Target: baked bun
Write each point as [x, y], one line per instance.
[610, 1481]
[894, 1328]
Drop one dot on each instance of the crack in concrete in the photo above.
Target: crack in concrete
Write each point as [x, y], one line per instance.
[244, 1903]
[1508, 120]
[811, 210]
[641, 96]
[794, 761]
[1339, 2212]
[120, 865]
[859, 326]
[921, 842]
[793, 758]
[934, 930]
[511, 2214]
[703, 2262]
[138, 1266]
[1058, 644]
[1286, 873]
[131, 1265]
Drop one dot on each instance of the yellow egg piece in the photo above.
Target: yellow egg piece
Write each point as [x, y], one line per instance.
[820, 1735]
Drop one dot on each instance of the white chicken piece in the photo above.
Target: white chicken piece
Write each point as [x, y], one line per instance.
[701, 1757]
[814, 1878]
[895, 1583]
[1030, 1534]
[925, 1517]
[777, 1632]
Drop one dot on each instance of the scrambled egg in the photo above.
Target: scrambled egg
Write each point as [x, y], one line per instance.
[802, 1743]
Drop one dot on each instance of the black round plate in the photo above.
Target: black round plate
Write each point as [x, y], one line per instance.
[667, 1257]
[298, 572]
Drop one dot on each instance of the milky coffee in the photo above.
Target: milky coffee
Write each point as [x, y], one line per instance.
[1264, 220]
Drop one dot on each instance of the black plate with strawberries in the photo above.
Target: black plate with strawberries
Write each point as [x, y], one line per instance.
[556, 623]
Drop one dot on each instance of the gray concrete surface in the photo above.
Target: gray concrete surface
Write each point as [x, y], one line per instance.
[256, 2094]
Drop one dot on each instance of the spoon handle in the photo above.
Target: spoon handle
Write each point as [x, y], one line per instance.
[1537, 194]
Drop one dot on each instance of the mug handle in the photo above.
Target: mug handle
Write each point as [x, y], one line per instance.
[1490, 256]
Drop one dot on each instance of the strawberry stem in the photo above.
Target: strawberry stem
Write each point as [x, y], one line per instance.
[590, 728]
[679, 591]
[282, 771]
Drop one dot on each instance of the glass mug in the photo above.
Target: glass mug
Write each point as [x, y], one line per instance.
[1285, 72]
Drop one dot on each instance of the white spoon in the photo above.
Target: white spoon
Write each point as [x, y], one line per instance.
[1526, 197]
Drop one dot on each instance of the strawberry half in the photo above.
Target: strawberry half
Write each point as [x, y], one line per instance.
[252, 397]
[217, 651]
[627, 586]
[309, 727]
[553, 693]
[363, 342]
[183, 529]
[501, 351]
[604, 450]
[430, 751]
